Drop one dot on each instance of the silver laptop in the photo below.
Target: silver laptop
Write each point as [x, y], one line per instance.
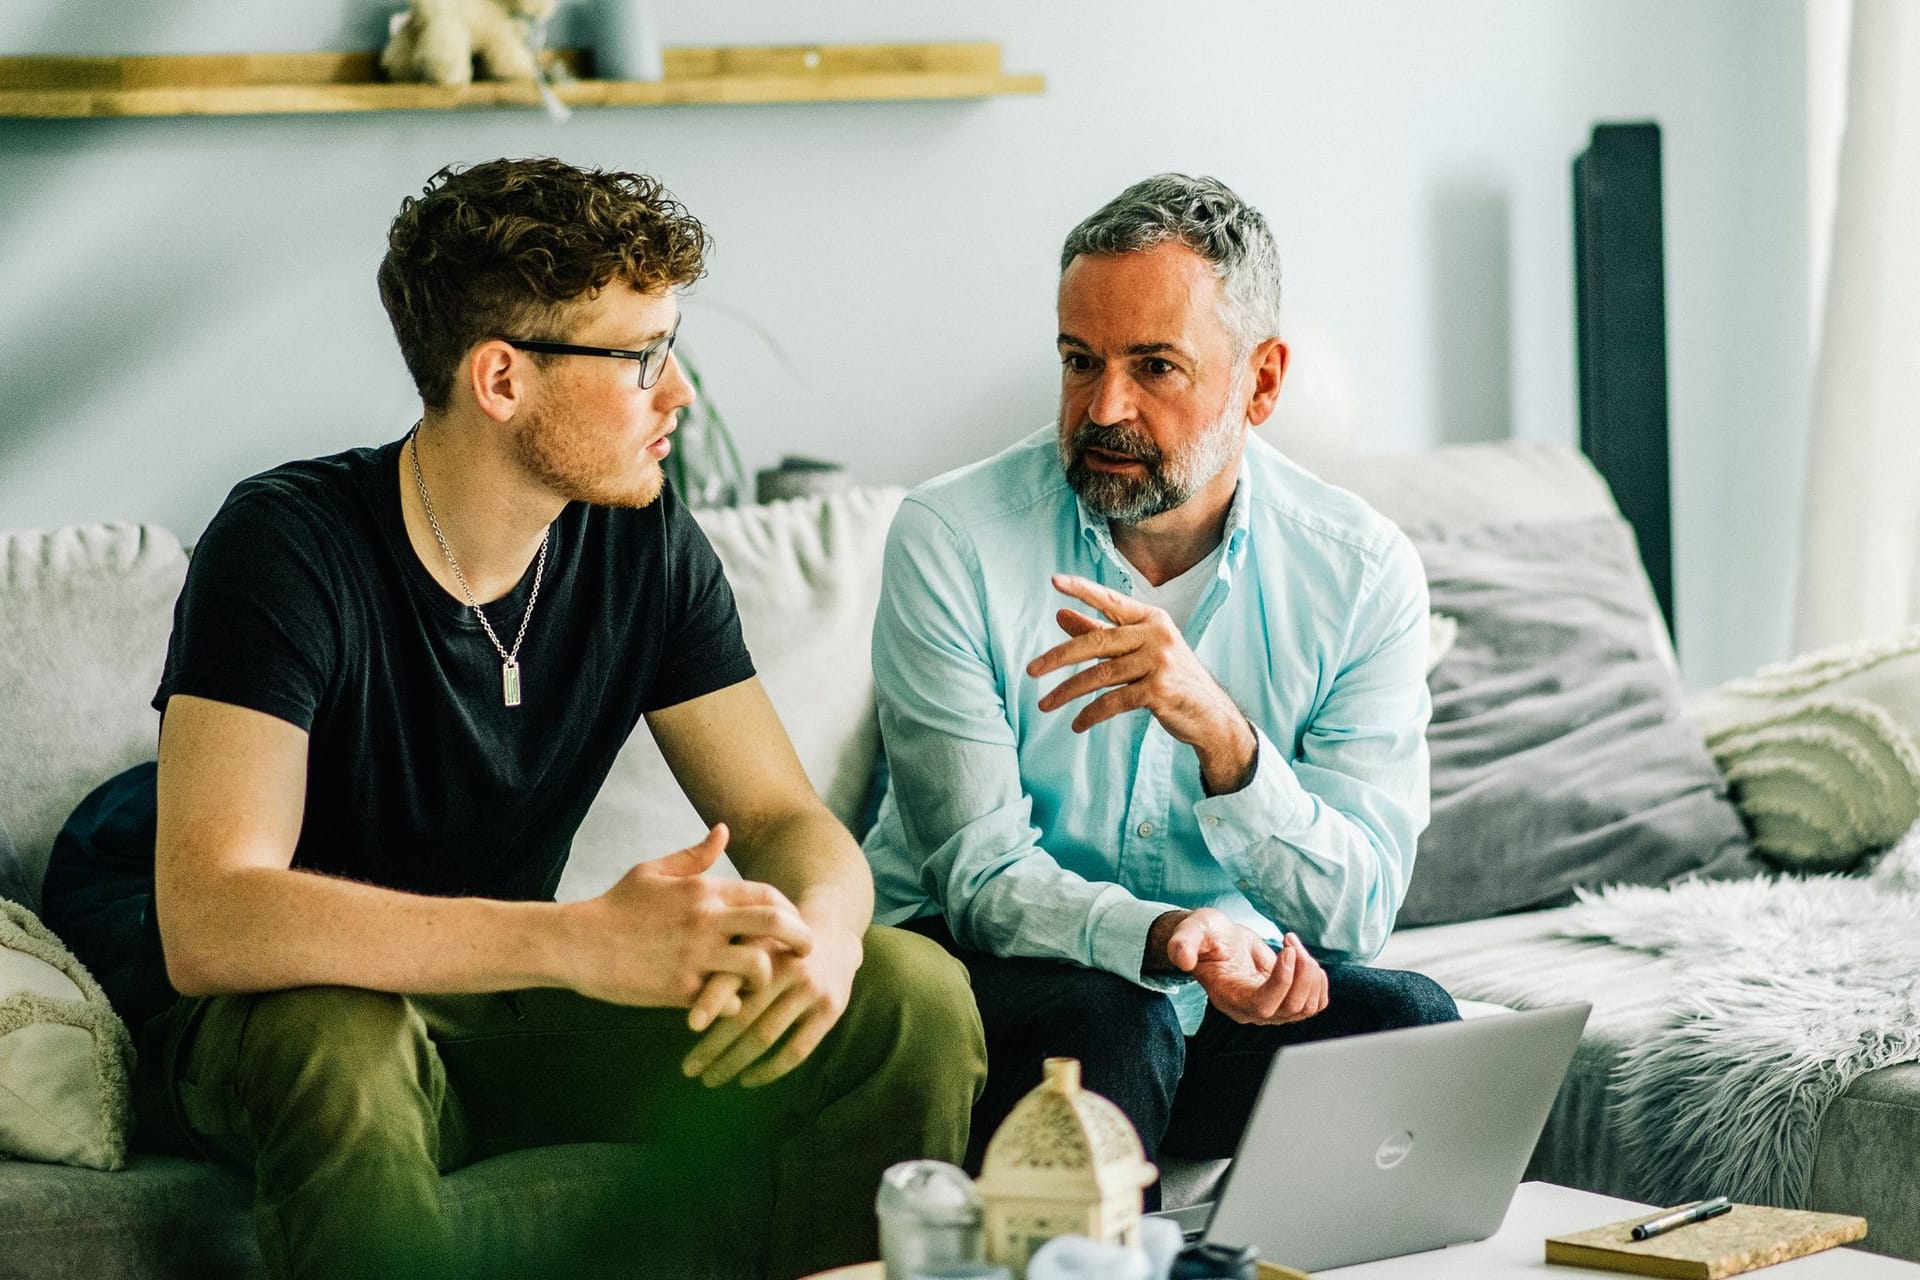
[1378, 1145]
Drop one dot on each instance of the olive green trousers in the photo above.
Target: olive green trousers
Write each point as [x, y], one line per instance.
[349, 1104]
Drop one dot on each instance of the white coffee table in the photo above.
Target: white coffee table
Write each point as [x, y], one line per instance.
[1541, 1209]
[1519, 1248]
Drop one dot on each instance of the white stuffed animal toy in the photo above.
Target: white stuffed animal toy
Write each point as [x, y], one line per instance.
[440, 40]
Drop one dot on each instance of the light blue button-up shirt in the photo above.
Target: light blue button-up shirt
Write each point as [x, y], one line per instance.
[1037, 841]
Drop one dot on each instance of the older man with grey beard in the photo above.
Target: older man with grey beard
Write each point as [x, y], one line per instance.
[1167, 829]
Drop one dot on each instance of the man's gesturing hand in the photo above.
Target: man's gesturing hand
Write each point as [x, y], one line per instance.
[663, 929]
[1144, 660]
[782, 1020]
[1242, 976]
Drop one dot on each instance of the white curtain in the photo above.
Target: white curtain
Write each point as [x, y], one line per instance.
[1860, 544]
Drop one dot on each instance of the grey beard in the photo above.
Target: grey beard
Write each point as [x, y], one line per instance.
[1168, 483]
[1128, 499]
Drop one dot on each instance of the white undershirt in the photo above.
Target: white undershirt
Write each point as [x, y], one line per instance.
[1178, 596]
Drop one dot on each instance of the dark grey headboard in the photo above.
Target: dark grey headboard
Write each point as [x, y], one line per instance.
[1621, 329]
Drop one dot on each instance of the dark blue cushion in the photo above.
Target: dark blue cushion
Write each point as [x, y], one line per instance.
[98, 894]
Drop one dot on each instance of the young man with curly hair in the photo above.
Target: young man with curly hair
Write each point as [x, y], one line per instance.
[397, 678]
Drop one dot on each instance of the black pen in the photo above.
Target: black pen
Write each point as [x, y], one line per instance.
[1683, 1217]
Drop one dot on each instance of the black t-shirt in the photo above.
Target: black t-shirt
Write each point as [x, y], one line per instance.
[305, 600]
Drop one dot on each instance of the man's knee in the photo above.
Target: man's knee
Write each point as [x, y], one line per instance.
[1421, 1001]
[911, 1006]
[347, 1050]
[1392, 998]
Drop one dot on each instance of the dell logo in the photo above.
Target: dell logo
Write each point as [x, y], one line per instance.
[1394, 1150]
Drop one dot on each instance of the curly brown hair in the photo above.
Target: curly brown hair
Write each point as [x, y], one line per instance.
[505, 248]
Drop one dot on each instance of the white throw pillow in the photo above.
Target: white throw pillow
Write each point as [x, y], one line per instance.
[1822, 753]
[65, 1059]
[84, 617]
[805, 574]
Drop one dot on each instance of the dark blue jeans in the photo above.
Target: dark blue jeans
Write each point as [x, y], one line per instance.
[1186, 1095]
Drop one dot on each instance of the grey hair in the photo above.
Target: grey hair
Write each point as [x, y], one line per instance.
[1205, 215]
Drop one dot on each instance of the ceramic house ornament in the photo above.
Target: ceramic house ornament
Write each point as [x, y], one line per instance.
[1066, 1161]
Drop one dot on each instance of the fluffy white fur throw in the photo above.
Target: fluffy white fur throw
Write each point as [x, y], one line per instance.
[1794, 988]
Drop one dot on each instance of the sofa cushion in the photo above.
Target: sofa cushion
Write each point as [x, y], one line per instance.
[1561, 754]
[1507, 482]
[84, 618]
[806, 577]
[98, 893]
[1823, 752]
[65, 1059]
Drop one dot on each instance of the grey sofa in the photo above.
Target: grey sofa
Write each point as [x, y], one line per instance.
[84, 617]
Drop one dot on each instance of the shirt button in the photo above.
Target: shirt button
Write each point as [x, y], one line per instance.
[1211, 821]
[1245, 887]
[1145, 828]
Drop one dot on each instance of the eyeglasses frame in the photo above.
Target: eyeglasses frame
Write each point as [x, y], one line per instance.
[663, 348]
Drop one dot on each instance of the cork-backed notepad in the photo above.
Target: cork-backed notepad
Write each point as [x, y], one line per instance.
[1749, 1237]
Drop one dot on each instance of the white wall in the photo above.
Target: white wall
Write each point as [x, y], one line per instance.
[187, 301]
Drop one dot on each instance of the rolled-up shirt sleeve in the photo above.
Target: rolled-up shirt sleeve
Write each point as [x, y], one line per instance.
[955, 772]
[1323, 843]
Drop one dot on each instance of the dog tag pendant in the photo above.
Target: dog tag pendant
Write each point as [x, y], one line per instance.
[510, 681]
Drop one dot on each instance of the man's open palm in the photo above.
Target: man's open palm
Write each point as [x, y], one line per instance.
[1245, 978]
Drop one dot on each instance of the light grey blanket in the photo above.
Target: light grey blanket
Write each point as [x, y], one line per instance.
[1795, 988]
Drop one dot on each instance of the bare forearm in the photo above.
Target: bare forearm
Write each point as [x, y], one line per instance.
[814, 861]
[268, 929]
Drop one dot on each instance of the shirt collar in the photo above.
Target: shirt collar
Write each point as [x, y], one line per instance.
[1240, 512]
[1093, 528]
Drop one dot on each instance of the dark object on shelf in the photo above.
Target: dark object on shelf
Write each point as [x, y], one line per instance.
[1621, 321]
[797, 477]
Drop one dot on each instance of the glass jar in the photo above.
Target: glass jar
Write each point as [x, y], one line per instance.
[929, 1216]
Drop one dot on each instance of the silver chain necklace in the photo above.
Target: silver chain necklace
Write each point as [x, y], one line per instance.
[509, 658]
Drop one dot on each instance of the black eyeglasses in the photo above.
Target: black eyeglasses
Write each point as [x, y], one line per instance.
[652, 357]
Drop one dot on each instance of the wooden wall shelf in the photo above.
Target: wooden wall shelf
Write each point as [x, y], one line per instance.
[314, 83]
